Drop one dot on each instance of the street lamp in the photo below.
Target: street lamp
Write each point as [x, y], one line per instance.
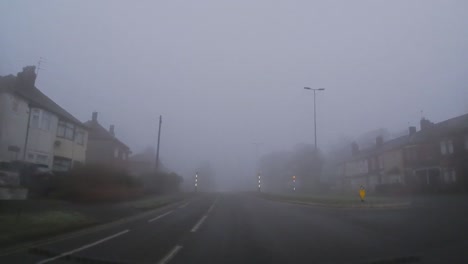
[315, 117]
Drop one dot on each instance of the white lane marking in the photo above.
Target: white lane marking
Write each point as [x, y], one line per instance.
[212, 206]
[184, 205]
[198, 224]
[170, 255]
[159, 216]
[82, 248]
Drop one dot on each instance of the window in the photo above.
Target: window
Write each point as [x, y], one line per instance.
[454, 176]
[41, 119]
[447, 176]
[61, 164]
[450, 176]
[65, 130]
[446, 147]
[80, 137]
[124, 156]
[35, 115]
[42, 159]
[116, 153]
[443, 148]
[450, 146]
[45, 120]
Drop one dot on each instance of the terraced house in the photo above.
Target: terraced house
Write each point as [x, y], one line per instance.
[34, 128]
[435, 158]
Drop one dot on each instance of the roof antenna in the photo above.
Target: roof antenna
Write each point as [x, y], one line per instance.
[41, 60]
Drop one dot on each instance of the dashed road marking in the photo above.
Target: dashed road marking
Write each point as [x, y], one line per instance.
[159, 216]
[212, 206]
[199, 223]
[170, 255]
[184, 205]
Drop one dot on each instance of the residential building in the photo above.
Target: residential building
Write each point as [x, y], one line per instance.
[434, 158]
[445, 153]
[359, 169]
[103, 147]
[34, 128]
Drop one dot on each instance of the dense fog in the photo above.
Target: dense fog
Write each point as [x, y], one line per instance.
[228, 77]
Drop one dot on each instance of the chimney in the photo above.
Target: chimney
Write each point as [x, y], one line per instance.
[379, 141]
[26, 78]
[95, 116]
[412, 130]
[354, 148]
[111, 130]
[425, 124]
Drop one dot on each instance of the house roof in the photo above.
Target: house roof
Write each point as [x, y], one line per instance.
[98, 132]
[39, 99]
[459, 123]
[35, 97]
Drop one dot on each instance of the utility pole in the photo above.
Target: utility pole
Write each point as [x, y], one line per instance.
[159, 139]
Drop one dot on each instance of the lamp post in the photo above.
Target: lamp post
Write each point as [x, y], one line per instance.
[315, 115]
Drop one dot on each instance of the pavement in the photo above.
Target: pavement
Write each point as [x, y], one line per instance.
[242, 228]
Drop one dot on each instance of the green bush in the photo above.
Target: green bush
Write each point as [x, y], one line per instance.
[160, 182]
[95, 183]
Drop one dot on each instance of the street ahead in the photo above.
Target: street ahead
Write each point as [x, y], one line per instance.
[242, 228]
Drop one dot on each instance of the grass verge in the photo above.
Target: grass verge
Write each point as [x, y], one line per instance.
[14, 228]
[336, 200]
[155, 202]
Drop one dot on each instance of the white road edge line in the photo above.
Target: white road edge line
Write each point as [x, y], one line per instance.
[160, 216]
[82, 248]
[198, 224]
[170, 255]
[184, 205]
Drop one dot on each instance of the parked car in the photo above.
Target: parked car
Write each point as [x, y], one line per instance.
[35, 177]
[9, 176]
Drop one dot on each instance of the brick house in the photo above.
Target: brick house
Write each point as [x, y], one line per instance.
[104, 147]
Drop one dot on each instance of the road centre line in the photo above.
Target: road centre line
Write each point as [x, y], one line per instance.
[212, 206]
[198, 224]
[170, 255]
[83, 247]
[184, 205]
[159, 216]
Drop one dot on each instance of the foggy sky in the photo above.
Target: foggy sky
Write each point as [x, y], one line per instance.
[225, 74]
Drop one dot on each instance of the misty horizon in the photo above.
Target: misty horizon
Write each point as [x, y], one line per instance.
[227, 75]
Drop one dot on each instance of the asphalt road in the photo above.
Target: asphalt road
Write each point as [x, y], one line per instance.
[242, 228]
